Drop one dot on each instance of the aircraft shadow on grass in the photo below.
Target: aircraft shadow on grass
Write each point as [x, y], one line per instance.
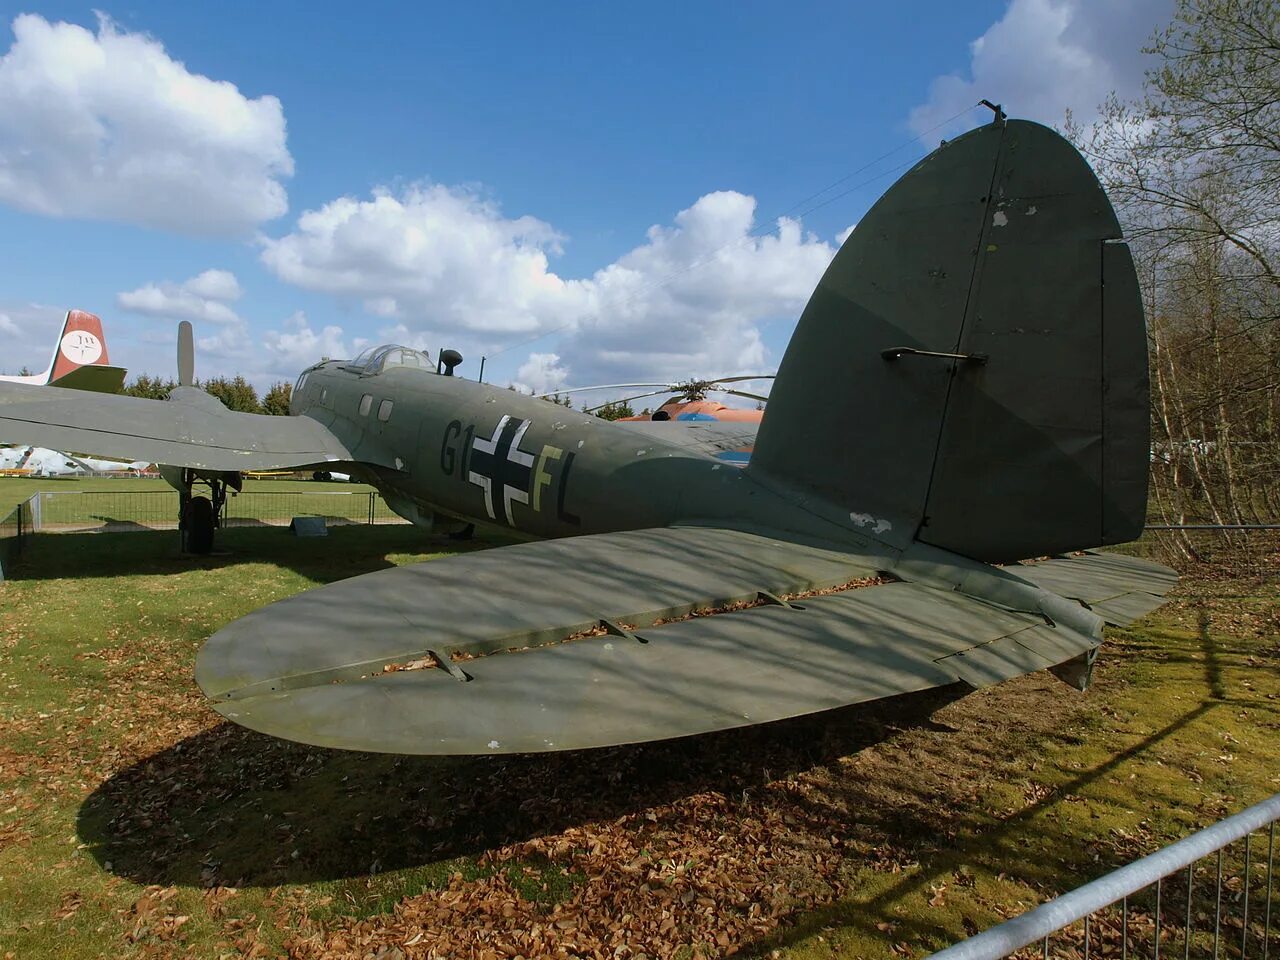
[229, 806]
[347, 551]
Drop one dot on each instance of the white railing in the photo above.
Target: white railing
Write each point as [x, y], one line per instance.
[1039, 925]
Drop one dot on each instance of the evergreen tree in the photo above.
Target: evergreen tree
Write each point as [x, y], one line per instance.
[615, 410]
[276, 400]
[236, 393]
[149, 387]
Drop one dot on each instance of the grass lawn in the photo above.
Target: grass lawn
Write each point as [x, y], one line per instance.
[135, 822]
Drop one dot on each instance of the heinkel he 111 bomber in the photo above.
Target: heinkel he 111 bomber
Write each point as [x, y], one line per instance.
[966, 389]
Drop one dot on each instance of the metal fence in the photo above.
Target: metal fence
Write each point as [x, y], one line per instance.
[1208, 895]
[55, 511]
[14, 529]
[256, 507]
[111, 511]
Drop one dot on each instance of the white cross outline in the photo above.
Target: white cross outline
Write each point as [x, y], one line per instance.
[481, 481]
[515, 455]
[80, 346]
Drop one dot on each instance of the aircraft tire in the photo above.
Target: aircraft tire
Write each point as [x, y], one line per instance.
[198, 524]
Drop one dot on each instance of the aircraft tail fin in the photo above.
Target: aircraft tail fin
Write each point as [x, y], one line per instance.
[972, 368]
[80, 359]
[80, 343]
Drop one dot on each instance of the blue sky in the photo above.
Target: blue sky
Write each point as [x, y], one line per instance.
[584, 192]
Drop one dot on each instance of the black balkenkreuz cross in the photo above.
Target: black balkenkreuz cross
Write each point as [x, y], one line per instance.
[499, 464]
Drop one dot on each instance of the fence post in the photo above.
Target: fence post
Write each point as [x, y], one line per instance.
[36, 512]
[371, 509]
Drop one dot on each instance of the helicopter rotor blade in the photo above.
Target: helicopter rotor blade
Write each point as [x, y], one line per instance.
[743, 393]
[599, 386]
[683, 386]
[758, 376]
[638, 396]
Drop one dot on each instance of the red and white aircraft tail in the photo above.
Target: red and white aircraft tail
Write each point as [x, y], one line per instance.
[79, 359]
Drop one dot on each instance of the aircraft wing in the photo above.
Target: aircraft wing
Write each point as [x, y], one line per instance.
[1117, 588]
[503, 651]
[201, 435]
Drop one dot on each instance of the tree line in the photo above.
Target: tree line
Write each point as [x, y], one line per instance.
[236, 392]
[1193, 168]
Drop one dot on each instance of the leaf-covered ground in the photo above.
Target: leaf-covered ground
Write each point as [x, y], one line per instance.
[134, 822]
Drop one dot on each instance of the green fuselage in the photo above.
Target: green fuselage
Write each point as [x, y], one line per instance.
[481, 453]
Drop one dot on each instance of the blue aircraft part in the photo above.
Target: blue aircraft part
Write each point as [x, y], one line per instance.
[696, 416]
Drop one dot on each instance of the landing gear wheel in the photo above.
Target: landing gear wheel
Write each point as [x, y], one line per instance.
[197, 525]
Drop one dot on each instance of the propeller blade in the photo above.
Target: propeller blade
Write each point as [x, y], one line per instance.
[186, 354]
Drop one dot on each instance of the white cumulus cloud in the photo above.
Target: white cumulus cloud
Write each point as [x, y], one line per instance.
[1044, 57]
[689, 301]
[108, 126]
[297, 345]
[204, 298]
[447, 264]
[541, 373]
[431, 255]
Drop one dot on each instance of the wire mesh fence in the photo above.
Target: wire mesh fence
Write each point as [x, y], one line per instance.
[123, 510]
[14, 529]
[1212, 894]
[258, 507]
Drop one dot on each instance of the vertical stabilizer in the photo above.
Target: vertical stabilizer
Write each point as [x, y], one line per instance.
[80, 344]
[972, 366]
[80, 359]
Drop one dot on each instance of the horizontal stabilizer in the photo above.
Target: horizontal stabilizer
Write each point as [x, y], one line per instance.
[95, 378]
[203, 436]
[1117, 588]
[395, 661]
